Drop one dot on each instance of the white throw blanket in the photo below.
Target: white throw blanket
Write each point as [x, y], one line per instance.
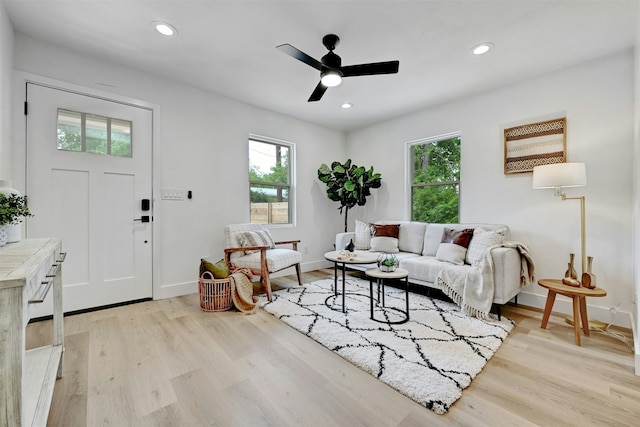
[473, 288]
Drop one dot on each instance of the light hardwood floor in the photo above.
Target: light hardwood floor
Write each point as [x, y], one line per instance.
[167, 363]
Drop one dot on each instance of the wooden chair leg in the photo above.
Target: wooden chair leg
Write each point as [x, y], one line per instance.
[299, 273]
[267, 284]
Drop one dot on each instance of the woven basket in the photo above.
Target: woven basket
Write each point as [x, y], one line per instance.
[215, 294]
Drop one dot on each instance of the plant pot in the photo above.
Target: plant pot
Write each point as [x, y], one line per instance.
[14, 233]
[3, 235]
[387, 263]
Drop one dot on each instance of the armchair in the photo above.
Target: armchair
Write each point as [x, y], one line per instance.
[251, 246]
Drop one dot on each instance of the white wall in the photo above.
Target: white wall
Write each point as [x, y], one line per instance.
[597, 99]
[6, 71]
[202, 140]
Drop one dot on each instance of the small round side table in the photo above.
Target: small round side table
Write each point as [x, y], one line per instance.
[578, 295]
[381, 276]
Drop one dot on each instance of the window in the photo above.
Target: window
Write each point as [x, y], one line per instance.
[91, 133]
[435, 179]
[270, 179]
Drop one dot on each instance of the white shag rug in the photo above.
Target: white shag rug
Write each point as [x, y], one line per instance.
[430, 359]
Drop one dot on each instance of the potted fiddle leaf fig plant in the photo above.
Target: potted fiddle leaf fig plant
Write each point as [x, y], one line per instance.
[348, 184]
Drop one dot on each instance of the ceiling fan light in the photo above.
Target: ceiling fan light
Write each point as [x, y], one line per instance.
[331, 78]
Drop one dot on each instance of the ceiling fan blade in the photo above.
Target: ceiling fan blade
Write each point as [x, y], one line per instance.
[317, 92]
[300, 55]
[389, 67]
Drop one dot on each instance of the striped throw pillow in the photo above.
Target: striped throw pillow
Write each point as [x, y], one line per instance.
[255, 238]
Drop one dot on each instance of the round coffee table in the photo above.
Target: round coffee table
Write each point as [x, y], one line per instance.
[579, 296]
[381, 276]
[340, 260]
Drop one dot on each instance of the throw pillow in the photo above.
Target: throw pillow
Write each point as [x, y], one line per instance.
[453, 245]
[482, 240]
[384, 244]
[363, 236]
[388, 230]
[450, 252]
[219, 270]
[457, 237]
[255, 238]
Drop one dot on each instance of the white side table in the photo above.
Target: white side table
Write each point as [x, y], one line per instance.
[381, 276]
[340, 261]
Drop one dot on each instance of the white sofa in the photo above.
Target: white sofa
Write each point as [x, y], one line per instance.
[418, 244]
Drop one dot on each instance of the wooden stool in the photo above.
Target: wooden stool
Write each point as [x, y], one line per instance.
[578, 295]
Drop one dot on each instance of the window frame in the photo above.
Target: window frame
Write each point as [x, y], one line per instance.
[409, 165]
[291, 146]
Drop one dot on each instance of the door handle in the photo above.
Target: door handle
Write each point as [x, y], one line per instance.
[143, 218]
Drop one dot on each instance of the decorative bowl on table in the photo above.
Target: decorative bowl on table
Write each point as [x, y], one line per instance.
[387, 262]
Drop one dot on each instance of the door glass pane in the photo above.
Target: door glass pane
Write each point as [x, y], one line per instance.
[69, 130]
[96, 139]
[120, 138]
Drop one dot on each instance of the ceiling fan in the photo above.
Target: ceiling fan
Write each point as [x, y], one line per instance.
[330, 66]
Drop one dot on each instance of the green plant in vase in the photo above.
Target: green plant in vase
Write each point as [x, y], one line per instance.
[387, 262]
[12, 209]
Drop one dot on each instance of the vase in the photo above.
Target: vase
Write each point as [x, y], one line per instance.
[3, 235]
[588, 278]
[350, 246]
[571, 272]
[14, 231]
[387, 262]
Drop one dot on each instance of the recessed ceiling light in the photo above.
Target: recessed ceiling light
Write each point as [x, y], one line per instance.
[481, 48]
[165, 28]
[347, 105]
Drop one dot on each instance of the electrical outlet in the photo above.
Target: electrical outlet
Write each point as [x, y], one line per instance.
[305, 250]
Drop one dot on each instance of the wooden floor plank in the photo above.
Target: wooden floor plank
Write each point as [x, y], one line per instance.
[168, 363]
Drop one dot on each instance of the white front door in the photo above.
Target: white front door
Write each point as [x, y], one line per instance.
[90, 194]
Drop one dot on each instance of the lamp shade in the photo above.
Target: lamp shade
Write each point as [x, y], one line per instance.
[560, 175]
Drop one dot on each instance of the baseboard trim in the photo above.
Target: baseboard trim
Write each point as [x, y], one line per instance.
[89, 310]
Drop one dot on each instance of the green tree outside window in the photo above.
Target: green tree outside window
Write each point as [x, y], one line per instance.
[435, 181]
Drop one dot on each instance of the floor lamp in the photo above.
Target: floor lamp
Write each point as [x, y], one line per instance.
[559, 176]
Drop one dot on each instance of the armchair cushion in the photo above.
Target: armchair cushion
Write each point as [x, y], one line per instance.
[277, 259]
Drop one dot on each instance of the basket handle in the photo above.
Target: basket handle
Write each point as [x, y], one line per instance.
[207, 278]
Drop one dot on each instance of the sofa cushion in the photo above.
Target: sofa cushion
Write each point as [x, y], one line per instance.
[362, 238]
[411, 237]
[384, 244]
[482, 240]
[424, 268]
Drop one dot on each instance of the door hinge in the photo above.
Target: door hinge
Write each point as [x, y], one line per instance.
[26, 108]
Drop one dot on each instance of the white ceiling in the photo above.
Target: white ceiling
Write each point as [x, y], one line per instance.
[228, 47]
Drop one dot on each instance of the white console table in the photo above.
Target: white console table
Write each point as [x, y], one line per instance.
[28, 270]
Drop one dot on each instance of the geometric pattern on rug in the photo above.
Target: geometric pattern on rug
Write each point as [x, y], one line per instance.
[430, 359]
